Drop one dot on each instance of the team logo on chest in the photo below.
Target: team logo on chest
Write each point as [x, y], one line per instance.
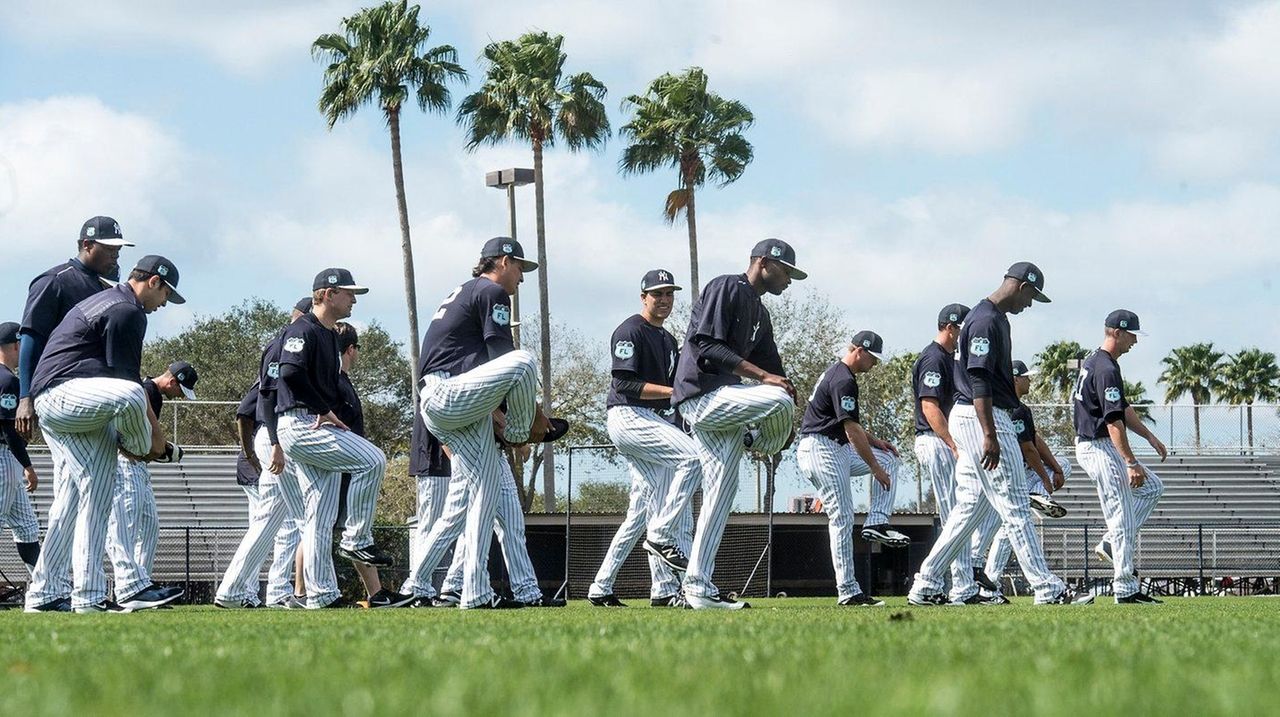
[848, 403]
[501, 315]
[980, 346]
[294, 345]
[624, 350]
[1019, 426]
[1112, 394]
[8, 401]
[932, 379]
[273, 369]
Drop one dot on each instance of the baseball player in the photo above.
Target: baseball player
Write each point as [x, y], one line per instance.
[321, 446]
[88, 392]
[989, 473]
[431, 468]
[470, 368]
[134, 528]
[1127, 489]
[730, 337]
[53, 293]
[831, 434]
[17, 476]
[276, 505]
[350, 411]
[1045, 473]
[639, 424]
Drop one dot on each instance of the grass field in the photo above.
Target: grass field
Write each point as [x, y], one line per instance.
[1187, 657]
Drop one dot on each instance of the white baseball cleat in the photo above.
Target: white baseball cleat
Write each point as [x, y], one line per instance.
[1050, 507]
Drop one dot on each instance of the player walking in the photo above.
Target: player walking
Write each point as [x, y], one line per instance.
[17, 476]
[1127, 489]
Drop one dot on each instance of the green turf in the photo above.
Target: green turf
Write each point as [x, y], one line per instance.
[1188, 657]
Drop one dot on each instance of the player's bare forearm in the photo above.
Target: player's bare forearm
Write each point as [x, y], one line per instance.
[861, 443]
[244, 427]
[1120, 438]
[937, 421]
[1134, 423]
[1034, 462]
[986, 417]
[1046, 456]
[655, 392]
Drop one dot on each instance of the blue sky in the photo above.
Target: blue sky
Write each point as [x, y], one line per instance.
[909, 152]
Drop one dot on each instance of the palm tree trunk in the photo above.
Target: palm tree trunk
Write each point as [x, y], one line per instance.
[548, 464]
[1249, 413]
[1195, 413]
[406, 250]
[692, 221]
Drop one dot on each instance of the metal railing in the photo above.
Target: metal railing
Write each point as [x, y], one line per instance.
[1186, 428]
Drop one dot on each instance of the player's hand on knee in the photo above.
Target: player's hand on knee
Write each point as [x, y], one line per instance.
[990, 453]
[30, 479]
[25, 419]
[882, 477]
[329, 419]
[277, 460]
[772, 379]
[1137, 476]
[1059, 480]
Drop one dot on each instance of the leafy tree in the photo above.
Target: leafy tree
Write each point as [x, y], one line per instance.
[1057, 372]
[678, 123]
[1250, 376]
[527, 97]
[1195, 371]
[1136, 395]
[382, 57]
[598, 497]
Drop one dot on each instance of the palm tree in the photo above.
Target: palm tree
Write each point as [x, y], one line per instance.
[1055, 364]
[1194, 370]
[382, 56]
[1249, 376]
[1136, 395]
[677, 123]
[527, 96]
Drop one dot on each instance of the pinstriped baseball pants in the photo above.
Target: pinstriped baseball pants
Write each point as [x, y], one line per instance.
[276, 507]
[84, 422]
[458, 410]
[508, 526]
[433, 493]
[718, 419]
[1000, 547]
[826, 464]
[978, 493]
[132, 528]
[1125, 508]
[938, 463]
[320, 456]
[881, 504]
[16, 512]
[656, 452]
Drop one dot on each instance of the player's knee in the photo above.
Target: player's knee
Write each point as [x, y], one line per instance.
[525, 360]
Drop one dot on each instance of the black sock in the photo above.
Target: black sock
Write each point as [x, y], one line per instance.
[30, 553]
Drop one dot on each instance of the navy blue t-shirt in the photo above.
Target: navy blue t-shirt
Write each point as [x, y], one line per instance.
[641, 352]
[248, 408]
[53, 293]
[471, 327]
[268, 377]
[8, 395]
[933, 376]
[311, 348]
[834, 401]
[101, 337]
[1099, 396]
[985, 344]
[154, 397]
[426, 452]
[1023, 424]
[730, 314]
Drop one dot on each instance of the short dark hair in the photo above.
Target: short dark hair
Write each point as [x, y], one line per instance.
[347, 336]
[486, 265]
[140, 275]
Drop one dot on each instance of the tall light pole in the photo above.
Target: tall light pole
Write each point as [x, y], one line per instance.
[509, 179]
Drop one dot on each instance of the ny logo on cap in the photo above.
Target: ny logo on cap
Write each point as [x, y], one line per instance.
[162, 270]
[117, 228]
[664, 276]
[775, 251]
[333, 278]
[1031, 276]
[507, 248]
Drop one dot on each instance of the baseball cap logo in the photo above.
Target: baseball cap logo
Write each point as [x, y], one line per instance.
[117, 228]
[1124, 323]
[182, 376]
[954, 316]
[508, 248]
[1031, 277]
[866, 343]
[332, 278]
[162, 270]
[775, 251]
[90, 231]
[664, 276]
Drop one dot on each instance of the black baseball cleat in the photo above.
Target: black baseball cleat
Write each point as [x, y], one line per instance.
[544, 601]
[422, 601]
[715, 602]
[447, 598]
[1067, 597]
[609, 600]
[996, 598]
[55, 605]
[370, 555]
[984, 582]
[861, 600]
[885, 535]
[672, 555]
[927, 599]
[338, 603]
[151, 596]
[232, 604]
[386, 598]
[499, 602]
[676, 600]
[980, 599]
[104, 606]
[1138, 598]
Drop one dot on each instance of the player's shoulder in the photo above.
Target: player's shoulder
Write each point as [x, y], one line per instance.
[52, 272]
[8, 381]
[486, 288]
[727, 284]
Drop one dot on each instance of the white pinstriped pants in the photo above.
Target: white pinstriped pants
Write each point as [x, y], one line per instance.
[132, 528]
[458, 410]
[938, 463]
[1125, 508]
[881, 503]
[16, 512]
[656, 452]
[433, 493]
[84, 421]
[320, 456]
[508, 526]
[826, 464]
[718, 419]
[276, 507]
[978, 493]
[999, 546]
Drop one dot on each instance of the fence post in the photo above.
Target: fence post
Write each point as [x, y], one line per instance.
[187, 563]
[176, 442]
[1086, 554]
[1200, 553]
[770, 473]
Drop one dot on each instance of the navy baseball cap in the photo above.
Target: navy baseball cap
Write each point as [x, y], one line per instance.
[1028, 273]
[506, 246]
[781, 252]
[186, 375]
[952, 314]
[336, 278]
[303, 306]
[658, 279]
[1020, 369]
[157, 265]
[103, 230]
[870, 342]
[9, 332]
[1126, 320]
